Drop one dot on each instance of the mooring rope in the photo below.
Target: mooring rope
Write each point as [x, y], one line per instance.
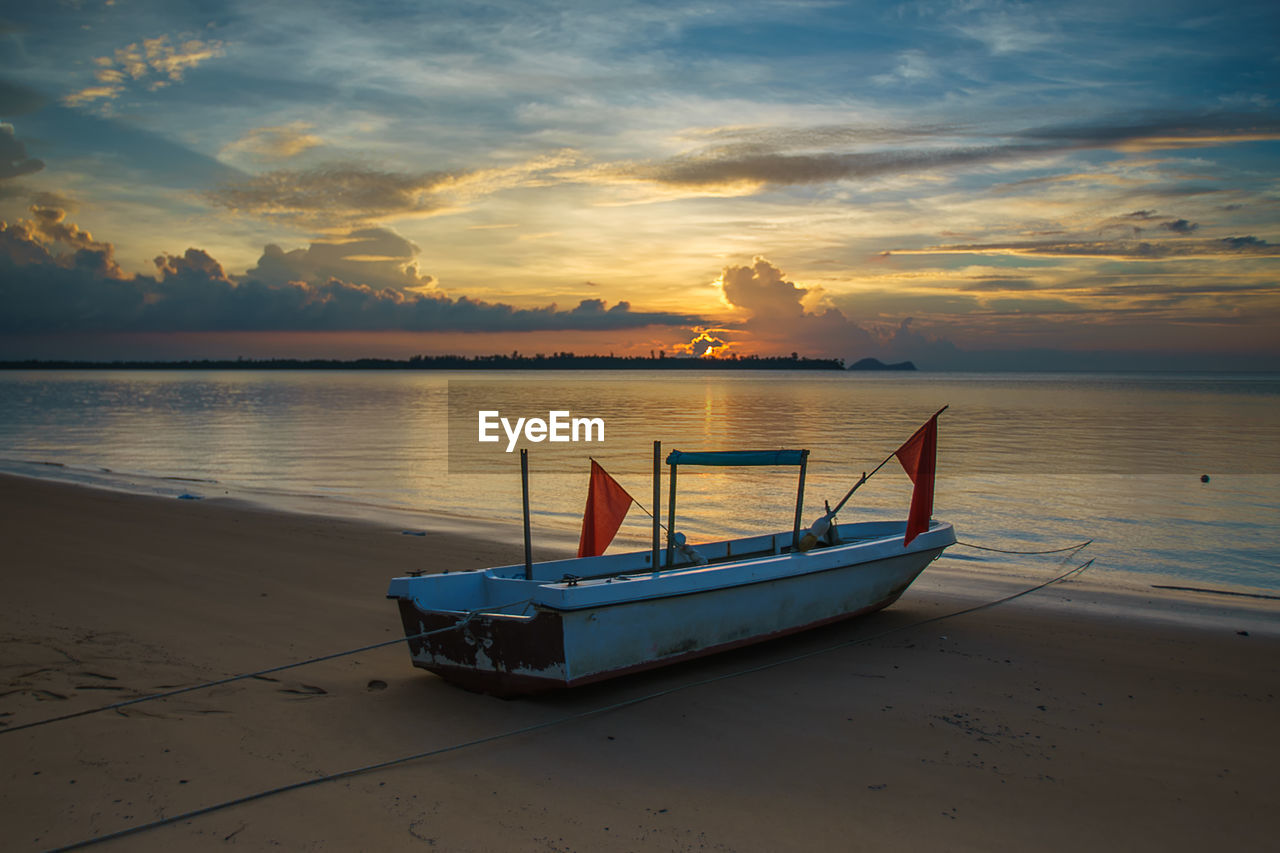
[1083, 544]
[465, 619]
[205, 685]
[382, 765]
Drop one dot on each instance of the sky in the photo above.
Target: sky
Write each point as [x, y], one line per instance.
[969, 185]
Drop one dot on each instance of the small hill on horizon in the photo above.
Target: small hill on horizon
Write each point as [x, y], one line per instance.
[877, 364]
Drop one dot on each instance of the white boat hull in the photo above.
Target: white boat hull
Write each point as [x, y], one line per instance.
[552, 632]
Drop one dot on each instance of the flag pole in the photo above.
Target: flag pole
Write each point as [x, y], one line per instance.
[524, 489]
[866, 476]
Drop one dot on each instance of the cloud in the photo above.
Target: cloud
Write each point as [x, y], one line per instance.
[55, 278]
[761, 289]
[1139, 220]
[350, 192]
[908, 344]
[1126, 250]
[729, 167]
[1006, 29]
[155, 61]
[14, 162]
[279, 142]
[996, 284]
[17, 100]
[172, 62]
[1179, 226]
[49, 225]
[335, 190]
[706, 344]
[777, 315]
[1161, 132]
[755, 160]
[374, 256]
[913, 66]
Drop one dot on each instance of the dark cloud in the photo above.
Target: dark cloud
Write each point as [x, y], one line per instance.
[375, 256]
[1140, 220]
[350, 192]
[16, 99]
[82, 289]
[906, 343]
[337, 189]
[732, 166]
[1249, 243]
[1194, 290]
[783, 158]
[1161, 131]
[14, 162]
[1137, 250]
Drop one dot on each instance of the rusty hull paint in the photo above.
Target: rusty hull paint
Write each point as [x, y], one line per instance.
[488, 649]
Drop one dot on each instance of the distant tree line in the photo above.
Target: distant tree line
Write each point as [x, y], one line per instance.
[513, 361]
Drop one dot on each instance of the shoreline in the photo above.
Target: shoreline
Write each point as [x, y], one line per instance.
[557, 543]
[965, 734]
[207, 490]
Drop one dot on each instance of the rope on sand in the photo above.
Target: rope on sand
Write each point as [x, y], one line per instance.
[382, 765]
[124, 703]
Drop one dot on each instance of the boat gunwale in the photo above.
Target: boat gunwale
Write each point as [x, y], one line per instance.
[602, 591]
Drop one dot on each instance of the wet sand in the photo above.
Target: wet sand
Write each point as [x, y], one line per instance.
[1073, 718]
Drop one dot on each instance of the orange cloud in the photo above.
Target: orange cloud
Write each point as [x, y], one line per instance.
[278, 142]
[155, 60]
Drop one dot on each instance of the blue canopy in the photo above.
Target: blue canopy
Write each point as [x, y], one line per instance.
[738, 457]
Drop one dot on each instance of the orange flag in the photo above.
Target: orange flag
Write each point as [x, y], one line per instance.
[607, 505]
[919, 458]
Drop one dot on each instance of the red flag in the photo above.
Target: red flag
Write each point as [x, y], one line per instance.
[919, 458]
[607, 505]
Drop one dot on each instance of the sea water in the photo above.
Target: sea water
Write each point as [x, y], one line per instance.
[1025, 461]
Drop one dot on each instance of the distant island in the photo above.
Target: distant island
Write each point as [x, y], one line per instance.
[877, 364]
[513, 361]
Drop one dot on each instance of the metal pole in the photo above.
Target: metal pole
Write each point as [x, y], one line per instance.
[524, 488]
[671, 517]
[795, 531]
[657, 498]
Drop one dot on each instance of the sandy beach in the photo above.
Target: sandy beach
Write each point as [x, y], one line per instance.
[1077, 717]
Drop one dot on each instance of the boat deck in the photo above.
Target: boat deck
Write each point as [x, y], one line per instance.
[576, 584]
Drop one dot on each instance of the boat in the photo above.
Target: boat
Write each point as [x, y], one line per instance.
[532, 627]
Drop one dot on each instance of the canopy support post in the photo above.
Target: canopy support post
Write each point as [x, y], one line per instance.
[657, 500]
[795, 530]
[671, 519]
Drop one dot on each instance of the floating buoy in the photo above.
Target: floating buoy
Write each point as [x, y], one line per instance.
[1204, 478]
